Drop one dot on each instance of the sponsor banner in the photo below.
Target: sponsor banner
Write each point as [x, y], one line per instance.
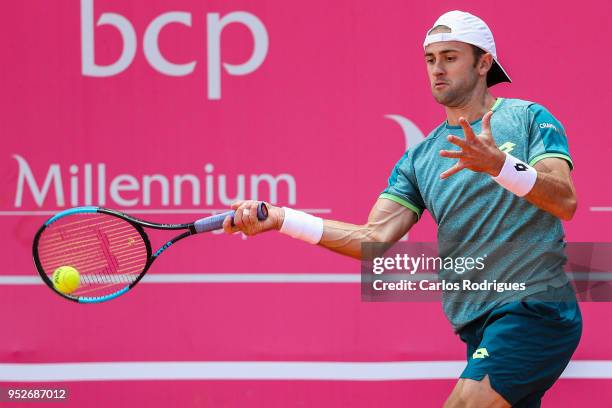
[171, 110]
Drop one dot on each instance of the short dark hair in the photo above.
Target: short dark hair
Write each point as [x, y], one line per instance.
[478, 52]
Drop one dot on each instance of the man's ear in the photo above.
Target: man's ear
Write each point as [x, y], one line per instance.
[485, 64]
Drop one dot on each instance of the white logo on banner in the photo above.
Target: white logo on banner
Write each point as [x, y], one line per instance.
[412, 137]
[412, 134]
[127, 190]
[153, 55]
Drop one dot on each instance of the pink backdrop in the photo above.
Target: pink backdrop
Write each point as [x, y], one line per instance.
[320, 96]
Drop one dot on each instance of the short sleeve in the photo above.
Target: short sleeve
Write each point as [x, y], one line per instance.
[547, 136]
[402, 187]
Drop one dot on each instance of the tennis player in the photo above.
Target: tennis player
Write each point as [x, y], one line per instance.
[497, 170]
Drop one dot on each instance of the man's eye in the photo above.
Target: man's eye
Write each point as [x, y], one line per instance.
[450, 58]
[429, 60]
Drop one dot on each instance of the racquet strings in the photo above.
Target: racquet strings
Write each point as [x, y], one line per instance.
[108, 252]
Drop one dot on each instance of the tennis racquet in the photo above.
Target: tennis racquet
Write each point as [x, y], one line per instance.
[110, 250]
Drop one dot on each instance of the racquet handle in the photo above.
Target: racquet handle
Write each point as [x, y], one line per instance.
[215, 222]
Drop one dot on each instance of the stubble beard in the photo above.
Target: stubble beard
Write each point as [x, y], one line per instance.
[458, 95]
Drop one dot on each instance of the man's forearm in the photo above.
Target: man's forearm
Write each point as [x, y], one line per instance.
[340, 237]
[345, 238]
[387, 222]
[553, 194]
[548, 184]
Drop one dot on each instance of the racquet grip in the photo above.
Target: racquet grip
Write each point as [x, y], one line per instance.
[215, 222]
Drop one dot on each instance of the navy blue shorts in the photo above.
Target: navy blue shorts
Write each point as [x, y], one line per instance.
[523, 347]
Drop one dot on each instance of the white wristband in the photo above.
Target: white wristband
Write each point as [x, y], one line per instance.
[516, 176]
[301, 225]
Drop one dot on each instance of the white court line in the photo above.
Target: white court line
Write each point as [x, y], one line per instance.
[600, 209]
[254, 278]
[159, 211]
[272, 278]
[215, 278]
[264, 370]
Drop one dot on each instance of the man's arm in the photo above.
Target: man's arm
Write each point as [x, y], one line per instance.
[388, 222]
[553, 190]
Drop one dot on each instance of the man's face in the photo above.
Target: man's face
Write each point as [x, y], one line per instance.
[451, 70]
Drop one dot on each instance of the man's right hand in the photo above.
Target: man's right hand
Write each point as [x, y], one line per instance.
[245, 218]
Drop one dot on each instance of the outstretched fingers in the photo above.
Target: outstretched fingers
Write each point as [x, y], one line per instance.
[467, 130]
[455, 169]
[452, 154]
[486, 122]
[457, 141]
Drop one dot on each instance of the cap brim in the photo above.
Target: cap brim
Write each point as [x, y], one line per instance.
[496, 75]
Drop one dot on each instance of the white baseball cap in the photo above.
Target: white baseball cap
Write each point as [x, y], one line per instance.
[468, 28]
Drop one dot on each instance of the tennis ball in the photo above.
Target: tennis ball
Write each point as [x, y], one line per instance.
[66, 279]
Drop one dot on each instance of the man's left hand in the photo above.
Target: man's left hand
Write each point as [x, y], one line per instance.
[478, 152]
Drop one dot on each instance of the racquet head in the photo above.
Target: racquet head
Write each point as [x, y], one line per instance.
[109, 253]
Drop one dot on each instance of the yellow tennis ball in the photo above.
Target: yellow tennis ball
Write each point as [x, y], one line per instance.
[66, 279]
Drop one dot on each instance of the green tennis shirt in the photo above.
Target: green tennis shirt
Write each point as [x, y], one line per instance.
[470, 207]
